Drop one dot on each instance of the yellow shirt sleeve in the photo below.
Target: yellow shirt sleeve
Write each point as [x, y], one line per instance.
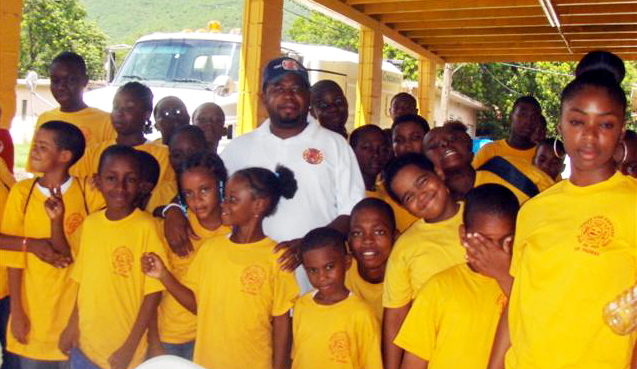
[13, 223]
[397, 291]
[419, 330]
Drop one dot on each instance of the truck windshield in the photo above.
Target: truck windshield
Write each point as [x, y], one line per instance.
[180, 62]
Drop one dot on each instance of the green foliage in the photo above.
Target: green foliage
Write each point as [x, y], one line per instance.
[50, 27]
[498, 85]
[319, 29]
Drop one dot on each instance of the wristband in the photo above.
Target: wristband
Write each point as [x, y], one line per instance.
[172, 205]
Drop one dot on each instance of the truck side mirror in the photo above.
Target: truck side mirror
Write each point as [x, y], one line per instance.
[224, 85]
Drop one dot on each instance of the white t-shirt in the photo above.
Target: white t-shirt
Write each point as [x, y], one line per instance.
[325, 167]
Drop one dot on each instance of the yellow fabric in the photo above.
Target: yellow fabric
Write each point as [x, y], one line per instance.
[163, 194]
[453, 320]
[345, 335]
[404, 219]
[176, 324]
[111, 283]
[575, 250]
[6, 177]
[47, 293]
[371, 293]
[87, 166]
[533, 173]
[4, 194]
[502, 148]
[422, 251]
[94, 123]
[239, 288]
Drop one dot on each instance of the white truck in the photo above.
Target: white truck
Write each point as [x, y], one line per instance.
[203, 67]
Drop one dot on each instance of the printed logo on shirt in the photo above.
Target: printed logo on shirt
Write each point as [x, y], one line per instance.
[313, 156]
[252, 279]
[73, 222]
[339, 347]
[595, 233]
[122, 261]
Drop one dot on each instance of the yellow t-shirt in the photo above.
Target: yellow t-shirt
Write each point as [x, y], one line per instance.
[163, 194]
[502, 148]
[422, 251]
[5, 186]
[176, 324]
[87, 166]
[111, 283]
[453, 320]
[48, 295]
[239, 288]
[371, 293]
[533, 173]
[345, 335]
[95, 124]
[403, 217]
[575, 250]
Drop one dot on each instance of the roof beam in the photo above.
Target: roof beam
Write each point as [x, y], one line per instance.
[462, 14]
[344, 12]
[443, 49]
[539, 30]
[529, 58]
[469, 39]
[385, 7]
[472, 23]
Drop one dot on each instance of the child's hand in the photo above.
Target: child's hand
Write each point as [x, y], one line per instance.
[153, 266]
[69, 338]
[20, 325]
[486, 256]
[44, 251]
[122, 357]
[178, 233]
[289, 260]
[54, 205]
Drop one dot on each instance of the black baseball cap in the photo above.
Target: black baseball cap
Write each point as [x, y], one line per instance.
[277, 68]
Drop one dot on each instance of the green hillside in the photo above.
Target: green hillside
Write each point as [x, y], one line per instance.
[125, 20]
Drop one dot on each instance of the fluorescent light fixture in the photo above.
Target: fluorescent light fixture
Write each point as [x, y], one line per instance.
[550, 13]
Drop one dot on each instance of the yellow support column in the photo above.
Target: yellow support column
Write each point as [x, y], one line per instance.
[426, 88]
[370, 74]
[10, 16]
[262, 21]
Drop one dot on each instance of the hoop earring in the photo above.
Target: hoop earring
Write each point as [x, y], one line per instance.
[625, 152]
[555, 148]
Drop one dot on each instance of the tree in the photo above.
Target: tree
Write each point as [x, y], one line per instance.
[496, 85]
[320, 29]
[51, 27]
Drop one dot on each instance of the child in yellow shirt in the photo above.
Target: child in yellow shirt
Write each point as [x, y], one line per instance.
[371, 146]
[201, 179]
[332, 328]
[115, 300]
[453, 319]
[525, 118]
[575, 245]
[184, 142]
[234, 285]
[132, 107]
[68, 81]
[372, 232]
[550, 157]
[407, 133]
[52, 206]
[429, 246]
[211, 119]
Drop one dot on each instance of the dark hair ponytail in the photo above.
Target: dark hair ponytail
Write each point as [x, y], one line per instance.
[267, 184]
[599, 78]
